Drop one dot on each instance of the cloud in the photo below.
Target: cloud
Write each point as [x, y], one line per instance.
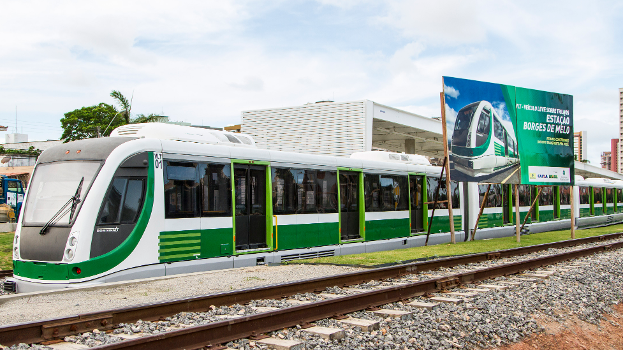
[450, 91]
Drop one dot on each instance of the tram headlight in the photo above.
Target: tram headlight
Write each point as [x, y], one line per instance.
[16, 239]
[73, 241]
[69, 254]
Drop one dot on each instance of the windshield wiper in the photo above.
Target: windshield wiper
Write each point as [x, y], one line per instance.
[65, 209]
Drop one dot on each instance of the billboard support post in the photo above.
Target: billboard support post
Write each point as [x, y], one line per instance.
[517, 218]
[531, 207]
[572, 212]
[447, 164]
[432, 216]
[482, 207]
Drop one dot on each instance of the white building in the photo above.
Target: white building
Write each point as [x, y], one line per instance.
[343, 128]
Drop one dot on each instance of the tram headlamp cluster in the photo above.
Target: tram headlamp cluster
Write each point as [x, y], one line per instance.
[69, 254]
[15, 253]
[73, 241]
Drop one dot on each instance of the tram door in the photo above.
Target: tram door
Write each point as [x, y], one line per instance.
[417, 207]
[250, 192]
[349, 205]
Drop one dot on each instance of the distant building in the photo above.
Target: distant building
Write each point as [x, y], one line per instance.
[619, 151]
[606, 160]
[614, 151]
[579, 145]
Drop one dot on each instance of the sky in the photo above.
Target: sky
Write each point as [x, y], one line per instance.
[205, 62]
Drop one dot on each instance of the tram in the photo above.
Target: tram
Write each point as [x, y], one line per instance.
[480, 143]
[159, 199]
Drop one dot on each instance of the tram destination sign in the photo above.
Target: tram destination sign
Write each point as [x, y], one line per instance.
[505, 134]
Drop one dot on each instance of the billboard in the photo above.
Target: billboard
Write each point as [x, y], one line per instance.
[505, 134]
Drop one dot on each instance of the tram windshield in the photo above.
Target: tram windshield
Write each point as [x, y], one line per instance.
[462, 123]
[53, 185]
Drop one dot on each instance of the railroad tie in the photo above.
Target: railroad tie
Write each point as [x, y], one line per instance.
[357, 290]
[478, 290]
[282, 344]
[329, 295]
[393, 313]
[67, 346]
[365, 325]
[326, 333]
[511, 283]
[261, 309]
[493, 286]
[527, 279]
[423, 305]
[462, 294]
[448, 300]
[536, 275]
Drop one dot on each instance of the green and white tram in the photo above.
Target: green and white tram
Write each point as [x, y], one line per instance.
[480, 143]
[160, 199]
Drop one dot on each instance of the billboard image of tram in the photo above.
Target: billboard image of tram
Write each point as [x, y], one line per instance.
[480, 143]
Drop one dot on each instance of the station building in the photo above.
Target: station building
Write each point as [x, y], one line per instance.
[343, 128]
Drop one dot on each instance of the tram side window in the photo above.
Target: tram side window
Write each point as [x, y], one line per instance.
[597, 195]
[483, 130]
[216, 189]
[525, 196]
[619, 195]
[123, 202]
[306, 191]
[431, 189]
[494, 199]
[498, 129]
[609, 195]
[565, 195]
[585, 197]
[326, 184]
[284, 191]
[181, 189]
[546, 197]
[372, 191]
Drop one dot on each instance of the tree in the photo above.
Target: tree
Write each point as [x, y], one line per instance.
[151, 118]
[83, 123]
[126, 107]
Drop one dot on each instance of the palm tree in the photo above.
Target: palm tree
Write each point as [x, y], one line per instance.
[126, 106]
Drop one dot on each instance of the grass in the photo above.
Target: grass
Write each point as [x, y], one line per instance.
[6, 248]
[460, 248]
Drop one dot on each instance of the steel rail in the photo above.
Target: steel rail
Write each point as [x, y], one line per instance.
[45, 330]
[224, 331]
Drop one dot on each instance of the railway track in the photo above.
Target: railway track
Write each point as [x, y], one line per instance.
[224, 331]
[6, 273]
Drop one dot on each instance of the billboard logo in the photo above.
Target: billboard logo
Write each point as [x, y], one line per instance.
[532, 176]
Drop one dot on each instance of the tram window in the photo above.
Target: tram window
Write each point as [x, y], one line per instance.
[565, 195]
[483, 130]
[181, 187]
[498, 129]
[327, 191]
[597, 197]
[619, 195]
[609, 195]
[372, 191]
[216, 190]
[431, 189]
[546, 197]
[525, 197]
[284, 191]
[456, 197]
[124, 201]
[585, 197]
[306, 191]
[387, 193]
[401, 188]
[494, 199]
